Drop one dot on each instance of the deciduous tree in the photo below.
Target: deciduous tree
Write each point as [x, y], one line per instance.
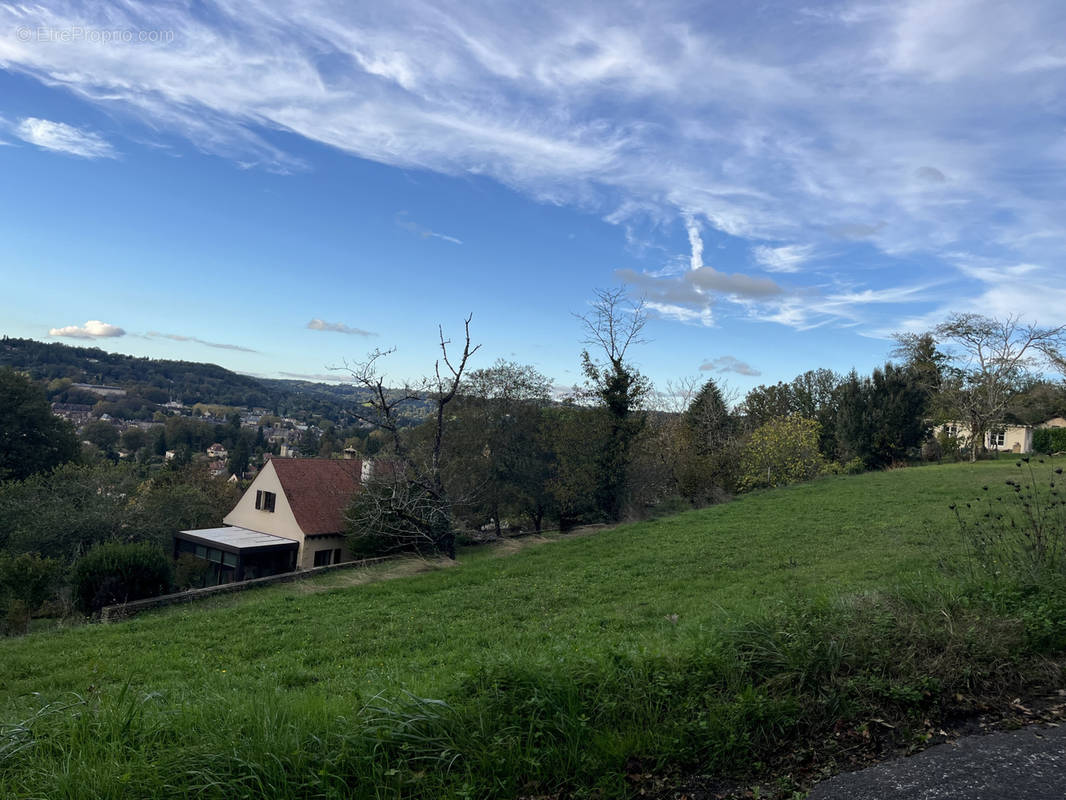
[612, 326]
[992, 358]
[782, 451]
[498, 452]
[407, 505]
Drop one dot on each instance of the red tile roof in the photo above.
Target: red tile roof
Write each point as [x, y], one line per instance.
[318, 490]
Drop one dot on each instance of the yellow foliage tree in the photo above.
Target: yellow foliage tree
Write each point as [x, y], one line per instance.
[783, 450]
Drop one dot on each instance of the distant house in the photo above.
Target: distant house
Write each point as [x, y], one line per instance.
[78, 413]
[1007, 438]
[217, 451]
[291, 517]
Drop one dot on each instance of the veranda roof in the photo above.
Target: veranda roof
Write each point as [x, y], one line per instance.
[234, 539]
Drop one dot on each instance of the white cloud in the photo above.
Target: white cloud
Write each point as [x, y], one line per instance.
[678, 313]
[317, 324]
[695, 242]
[93, 329]
[63, 138]
[851, 121]
[729, 364]
[788, 258]
[993, 271]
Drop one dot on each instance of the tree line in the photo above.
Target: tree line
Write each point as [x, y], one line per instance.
[500, 450]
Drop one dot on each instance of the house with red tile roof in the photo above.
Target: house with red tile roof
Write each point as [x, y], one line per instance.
[291, 517]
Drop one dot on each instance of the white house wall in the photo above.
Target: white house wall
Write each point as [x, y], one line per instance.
[280, 522]
[1016, 438]
[306, 557]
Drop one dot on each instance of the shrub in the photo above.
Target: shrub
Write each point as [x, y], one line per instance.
[1017, 532]
[931, 450]
[783, 451]
[191, 572]
[26, 582]
[1049, 440]
[118, 572]
[949, 446]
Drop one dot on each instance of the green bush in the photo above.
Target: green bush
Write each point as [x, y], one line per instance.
[949, 446]
[782, 451]
[118, 572]
[26, 582]
[1049, 440]
[191, 572]
[854, 466]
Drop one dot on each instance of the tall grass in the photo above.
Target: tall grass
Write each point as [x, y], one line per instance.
[1016, 529]
[724, 703]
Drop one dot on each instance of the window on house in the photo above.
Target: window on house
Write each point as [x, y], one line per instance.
[952, 430]
[336, 556]
[264, 501]
[322, 557]
[997, 438]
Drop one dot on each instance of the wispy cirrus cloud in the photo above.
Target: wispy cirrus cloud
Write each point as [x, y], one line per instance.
[787, 258]
[62, 138]
[851, 122]
[93, 329]
[175, 337]
[317, 324]
[317, 377]
[408, 224]
[688, 296]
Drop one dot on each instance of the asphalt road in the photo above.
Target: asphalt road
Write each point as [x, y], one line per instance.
[1029, 763]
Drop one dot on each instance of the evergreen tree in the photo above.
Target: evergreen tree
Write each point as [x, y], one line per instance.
[707, 419]
[238, 458]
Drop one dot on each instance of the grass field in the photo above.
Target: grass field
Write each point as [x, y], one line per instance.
[554, 662]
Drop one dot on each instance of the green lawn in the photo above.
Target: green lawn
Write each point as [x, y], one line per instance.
[557, 607]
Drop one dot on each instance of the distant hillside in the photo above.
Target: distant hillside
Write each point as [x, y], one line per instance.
[189, 382]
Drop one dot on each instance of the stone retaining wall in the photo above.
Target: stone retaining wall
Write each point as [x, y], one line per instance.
[126, 610]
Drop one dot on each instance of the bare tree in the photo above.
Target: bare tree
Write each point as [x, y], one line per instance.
[614, 324]
[405, 504]
[992, 359]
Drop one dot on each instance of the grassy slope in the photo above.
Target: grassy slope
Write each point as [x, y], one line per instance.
[566, 601]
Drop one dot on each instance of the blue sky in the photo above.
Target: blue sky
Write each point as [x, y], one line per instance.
[280, 187]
